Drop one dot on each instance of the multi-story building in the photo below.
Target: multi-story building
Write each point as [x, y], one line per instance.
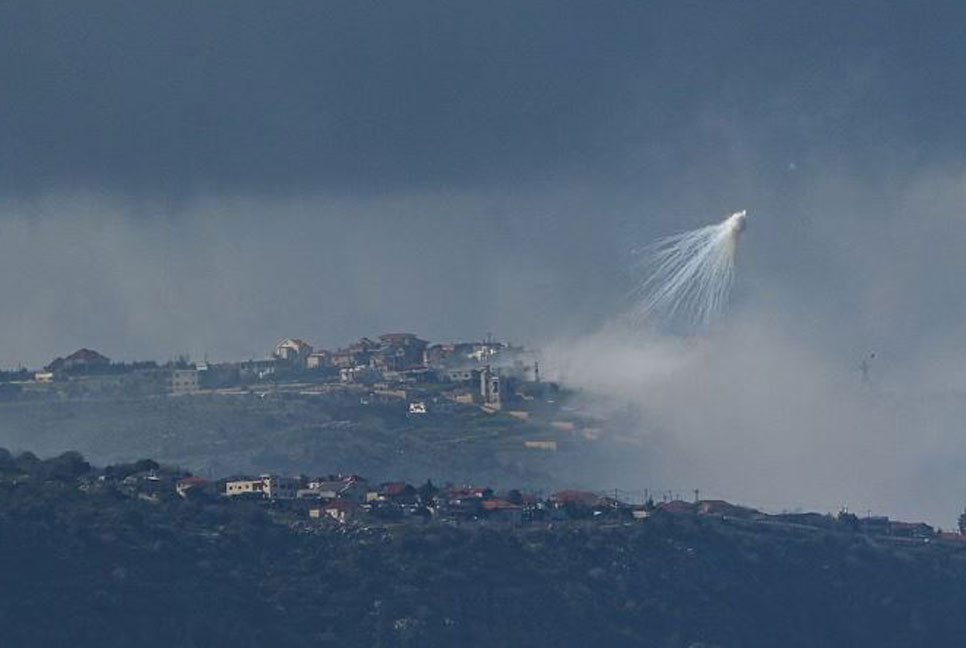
[183, 381]
[268, 486]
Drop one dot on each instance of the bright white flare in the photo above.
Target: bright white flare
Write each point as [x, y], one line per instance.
[688, 276]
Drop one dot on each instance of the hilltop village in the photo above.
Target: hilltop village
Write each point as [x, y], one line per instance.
[393, 367]
[352, 501]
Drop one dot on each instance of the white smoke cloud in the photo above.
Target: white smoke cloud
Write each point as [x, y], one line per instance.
[753, 415]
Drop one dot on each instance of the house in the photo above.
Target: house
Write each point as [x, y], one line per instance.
[575, 499]
[500, 509]
[268, 486]
[462, 397]
[877, 524]
[676, 506]
[187, 483]
[399, 492]
[351, 488]
[257, 369]
[359, 374]
[341, 511]
[723, 508]
[318, 359]
[356, 354]
[460, 493]
[919, 530]
[463, 501]
[294, 351]
[640, 513]
[183, 381]
[80, 361]
[484, 351]
[398, 352]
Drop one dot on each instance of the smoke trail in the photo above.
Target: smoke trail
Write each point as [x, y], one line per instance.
[688, 276]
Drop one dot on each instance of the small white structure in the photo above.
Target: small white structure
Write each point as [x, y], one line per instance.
[417, 407]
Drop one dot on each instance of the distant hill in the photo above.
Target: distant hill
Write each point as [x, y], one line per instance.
[97, 569]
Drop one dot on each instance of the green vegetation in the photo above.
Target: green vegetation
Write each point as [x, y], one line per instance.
[95, 568]
[291, 433]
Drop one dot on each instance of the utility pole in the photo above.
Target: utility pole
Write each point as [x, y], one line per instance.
[696, 493]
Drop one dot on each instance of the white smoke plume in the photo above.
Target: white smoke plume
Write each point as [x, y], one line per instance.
[689, 275]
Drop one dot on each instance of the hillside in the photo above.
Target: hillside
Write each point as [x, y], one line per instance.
[93, 569]
[289, 433]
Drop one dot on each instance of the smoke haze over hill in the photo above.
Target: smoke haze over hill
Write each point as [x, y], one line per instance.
[206, 179]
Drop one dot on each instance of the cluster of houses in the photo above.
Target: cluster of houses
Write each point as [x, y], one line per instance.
[486, 372]
[351, 498]
[346, 498]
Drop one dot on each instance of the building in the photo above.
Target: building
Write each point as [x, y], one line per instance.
[496, 390]
[183, 381]
[499, 509]
[294, 351]
[919, 530]
[268, 486]
[80, 361]
[356, 354]
[549, 445]
[348, 488]
[417, 407]
[361, 374]
[575, 499]
[318, 360]
[341, 511]
[451, 355]
[185, 484]
[398, 352]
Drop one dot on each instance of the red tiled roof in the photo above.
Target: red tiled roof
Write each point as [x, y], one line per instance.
[585, 498]
[86, 355]
[466, 491]
[500, 505]
[676, 506]
[393, 488]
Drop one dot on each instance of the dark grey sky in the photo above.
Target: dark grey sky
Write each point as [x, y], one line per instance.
[180, 98]
[206, 177]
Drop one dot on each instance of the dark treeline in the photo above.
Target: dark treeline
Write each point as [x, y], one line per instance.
[92, 567]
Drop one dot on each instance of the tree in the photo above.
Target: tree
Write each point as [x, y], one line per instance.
[962, 522]
[67, 466]
[427, 492]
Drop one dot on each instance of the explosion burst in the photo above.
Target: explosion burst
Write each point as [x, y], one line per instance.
[688, 276]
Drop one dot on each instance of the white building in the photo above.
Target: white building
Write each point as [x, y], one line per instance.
[183, 381]
[269, 486]
[293, 350]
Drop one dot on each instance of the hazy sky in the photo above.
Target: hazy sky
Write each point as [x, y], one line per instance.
[205, 178]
